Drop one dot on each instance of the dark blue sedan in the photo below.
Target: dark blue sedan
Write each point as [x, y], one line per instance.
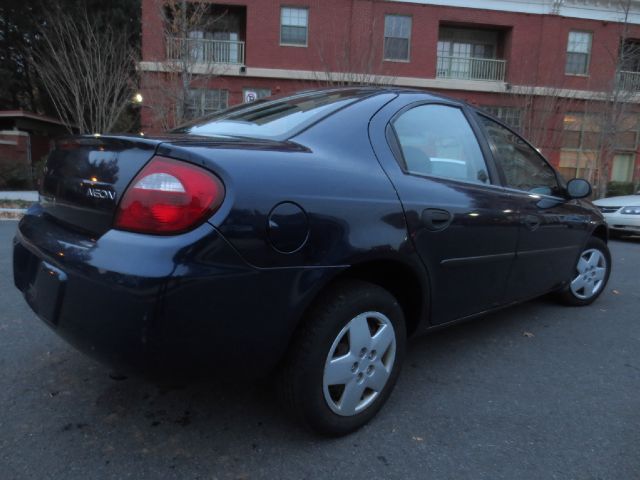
[305, 237]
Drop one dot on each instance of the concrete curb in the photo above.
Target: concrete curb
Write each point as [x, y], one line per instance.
[12, 213]
[28, 196]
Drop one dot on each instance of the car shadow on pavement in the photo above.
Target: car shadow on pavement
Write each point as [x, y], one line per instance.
[161, 417]
[457, 381]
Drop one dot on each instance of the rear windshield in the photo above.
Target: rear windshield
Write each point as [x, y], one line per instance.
[278, 118]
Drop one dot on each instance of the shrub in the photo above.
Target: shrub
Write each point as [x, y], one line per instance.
[14, 177]
[615, 189]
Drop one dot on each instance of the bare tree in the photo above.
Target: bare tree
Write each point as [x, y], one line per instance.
[192, 59]
[615, 109]
[606, 116]
[347, 64]
[89, 74]
[540, 113]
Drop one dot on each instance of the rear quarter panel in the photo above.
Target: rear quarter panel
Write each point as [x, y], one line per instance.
[330, 171]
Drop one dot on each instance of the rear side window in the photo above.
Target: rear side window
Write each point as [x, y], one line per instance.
[273, 119]
[523, 167]
[437, 140]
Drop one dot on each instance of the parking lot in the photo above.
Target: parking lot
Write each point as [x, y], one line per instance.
[535, 391]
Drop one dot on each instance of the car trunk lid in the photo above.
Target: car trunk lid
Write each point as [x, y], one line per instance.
[85, 177]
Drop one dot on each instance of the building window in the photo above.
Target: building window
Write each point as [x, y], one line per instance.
[469, 54]
[397, 37]
[581, 131]
[578, 164]
[510, 116]
[622, 167]
[627, 132]
[578, 53]
[294, 23]
[203, 102]
[580, 145]
[252, 94]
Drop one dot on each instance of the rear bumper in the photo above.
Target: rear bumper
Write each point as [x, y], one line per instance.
[160, 304]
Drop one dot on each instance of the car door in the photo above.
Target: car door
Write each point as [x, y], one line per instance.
[552, 229]
[461, 224]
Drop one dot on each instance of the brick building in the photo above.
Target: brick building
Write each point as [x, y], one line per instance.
[563, 72]
[25, 140]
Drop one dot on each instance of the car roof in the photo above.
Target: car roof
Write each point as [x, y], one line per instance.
[243, 120]
[371, 90]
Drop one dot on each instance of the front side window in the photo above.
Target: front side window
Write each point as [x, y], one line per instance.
[397, 37]
[437, 140]
[511, 116]
[578, 53]
[294, 24]
[523, 167]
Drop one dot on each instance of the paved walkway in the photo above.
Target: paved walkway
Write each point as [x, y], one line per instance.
[29, 196]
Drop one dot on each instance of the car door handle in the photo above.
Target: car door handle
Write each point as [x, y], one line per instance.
[435, 219]
[532, 222]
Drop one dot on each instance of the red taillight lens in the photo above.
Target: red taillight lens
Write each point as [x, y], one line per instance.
[169, 196]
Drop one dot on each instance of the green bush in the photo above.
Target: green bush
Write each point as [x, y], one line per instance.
[15, 178]
[38, 172]
[21, 177]
[615, 189]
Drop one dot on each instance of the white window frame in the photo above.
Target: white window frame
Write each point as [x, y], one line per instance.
[384, 39]
[588, 53]
[306, 39]
[631, 168]
[202, 109]
[507, 115]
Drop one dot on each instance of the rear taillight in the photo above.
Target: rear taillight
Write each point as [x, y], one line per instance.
[169, 196]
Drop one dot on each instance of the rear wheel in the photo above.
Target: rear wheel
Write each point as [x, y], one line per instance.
[346, 358]
[590, 274]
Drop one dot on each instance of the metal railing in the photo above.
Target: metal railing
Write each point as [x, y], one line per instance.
[200, 50]
[629, 81]
[470, 68]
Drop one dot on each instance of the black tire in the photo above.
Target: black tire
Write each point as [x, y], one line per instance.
[569, 295]
[301, 380]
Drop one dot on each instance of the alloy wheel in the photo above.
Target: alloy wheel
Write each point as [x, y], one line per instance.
[591, 274]
[359, 363]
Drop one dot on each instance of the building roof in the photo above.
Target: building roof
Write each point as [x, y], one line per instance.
[603, 10]
[30, 116]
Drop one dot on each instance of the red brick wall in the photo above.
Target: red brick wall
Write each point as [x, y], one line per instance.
[13, 149]
[535, 46]
[40, 147]
[13, 156]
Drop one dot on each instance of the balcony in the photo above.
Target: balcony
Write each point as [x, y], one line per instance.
[470, 68]
[202, 50]
[628, 81]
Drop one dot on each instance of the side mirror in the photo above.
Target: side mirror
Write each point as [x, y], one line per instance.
[578, 188]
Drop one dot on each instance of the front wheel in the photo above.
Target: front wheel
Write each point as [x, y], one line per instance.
[590, 274]
[345, 359]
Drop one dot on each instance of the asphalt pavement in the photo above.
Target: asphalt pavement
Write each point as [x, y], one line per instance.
[537, 391]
